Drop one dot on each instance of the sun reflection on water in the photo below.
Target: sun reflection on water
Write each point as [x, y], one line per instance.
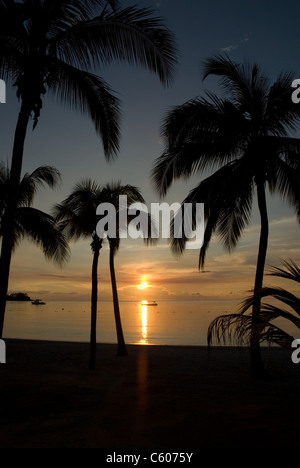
[144, 323]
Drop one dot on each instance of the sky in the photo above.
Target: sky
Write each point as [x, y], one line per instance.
[260, 31]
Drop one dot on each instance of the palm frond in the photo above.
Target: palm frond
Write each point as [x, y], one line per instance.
[31, 183]
[292, 271]
[92, 96]
[281, 115]
[230, 328]
[272, 312]
[227, 199]
[199, 135]
[42, 229]
[132, 34]
[278, 293]
[77, 213]
[112, 192]
[140, 221]
[74, 225]
[238, 329]
[245, 83]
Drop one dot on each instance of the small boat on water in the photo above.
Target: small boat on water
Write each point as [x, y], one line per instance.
[37, 302]
[151, 304]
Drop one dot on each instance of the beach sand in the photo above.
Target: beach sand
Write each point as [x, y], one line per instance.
[157, 397]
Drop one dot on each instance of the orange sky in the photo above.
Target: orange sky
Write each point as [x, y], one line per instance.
[169, 278]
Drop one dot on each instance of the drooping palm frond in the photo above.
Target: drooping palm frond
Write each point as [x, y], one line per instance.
[59, 46]
[131, 34]
[281, 116]
[227, 203]
[230, 328]
[199, 135]
[236, 132]
[238, 327]
[278, 293]
[42, 229]
[35, 225]
[75, 225]
[292, 271]
[92, 96]
[77, 213]
[31, 183]
[132, 216]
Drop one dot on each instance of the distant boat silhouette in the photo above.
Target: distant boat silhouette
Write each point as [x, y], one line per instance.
[153, 303]
[37, 302]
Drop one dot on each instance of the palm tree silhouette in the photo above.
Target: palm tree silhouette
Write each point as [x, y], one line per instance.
[55, 47]
[244, 138]
[36, 225]
[78, 215]
[147, 229]
[241, 323]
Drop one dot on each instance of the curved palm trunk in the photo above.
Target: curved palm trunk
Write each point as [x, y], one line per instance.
[15, 176]
[257, 367]
[96, 246]
[122, 350]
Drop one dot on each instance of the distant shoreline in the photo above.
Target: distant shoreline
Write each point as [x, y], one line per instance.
[9, 299]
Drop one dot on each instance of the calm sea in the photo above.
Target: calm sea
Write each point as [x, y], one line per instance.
[170, 323]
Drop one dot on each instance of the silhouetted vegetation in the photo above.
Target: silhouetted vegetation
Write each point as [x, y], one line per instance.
[54, 48]
[238, 327]
[244, 138]
[78, 218]
[18, 297]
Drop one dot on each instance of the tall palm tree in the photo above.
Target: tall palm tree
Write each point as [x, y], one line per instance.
[78, 215]
[31, 223]
[240, 323]
[244, 138]
[56, 47]
[148, 232]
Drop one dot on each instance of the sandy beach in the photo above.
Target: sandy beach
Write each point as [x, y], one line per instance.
[157, 397]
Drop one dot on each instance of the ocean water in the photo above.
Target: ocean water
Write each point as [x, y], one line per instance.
[170, 323]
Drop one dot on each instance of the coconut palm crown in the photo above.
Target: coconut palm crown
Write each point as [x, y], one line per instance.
[244, 139]
[32, 223]
[79, 219]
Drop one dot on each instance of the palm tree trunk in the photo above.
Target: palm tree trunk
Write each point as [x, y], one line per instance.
[257, 368]
[8, 228]
[94, 301]
[122, 350]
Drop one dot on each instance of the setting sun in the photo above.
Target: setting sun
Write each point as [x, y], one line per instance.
[143, 286]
